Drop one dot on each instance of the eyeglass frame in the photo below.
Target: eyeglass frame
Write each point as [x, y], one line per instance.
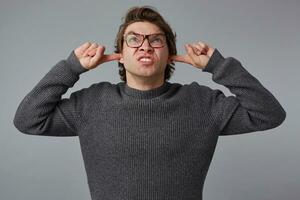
[144, 37]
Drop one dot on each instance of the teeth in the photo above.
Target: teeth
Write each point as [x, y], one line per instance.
[145, 59]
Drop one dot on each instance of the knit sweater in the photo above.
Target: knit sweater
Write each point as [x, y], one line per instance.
[148, 145]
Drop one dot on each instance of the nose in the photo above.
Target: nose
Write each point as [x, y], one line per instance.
[146, 46]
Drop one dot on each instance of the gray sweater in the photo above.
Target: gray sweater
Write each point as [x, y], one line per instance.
[148, 145]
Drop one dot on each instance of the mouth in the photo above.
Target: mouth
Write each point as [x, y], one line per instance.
[146, 60]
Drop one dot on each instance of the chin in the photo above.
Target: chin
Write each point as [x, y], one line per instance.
[142, 73]
[144, 70]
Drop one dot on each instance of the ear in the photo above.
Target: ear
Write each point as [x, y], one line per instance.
[169, 60]
[121, 59]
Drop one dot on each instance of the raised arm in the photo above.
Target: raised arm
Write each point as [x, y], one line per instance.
[43, 111]
[253, 108]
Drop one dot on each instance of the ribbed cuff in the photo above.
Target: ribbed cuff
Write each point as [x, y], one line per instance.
[75, 65]
[213, 61]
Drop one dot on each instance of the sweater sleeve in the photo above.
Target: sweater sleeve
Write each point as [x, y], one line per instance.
[43, 111]
[253, 108]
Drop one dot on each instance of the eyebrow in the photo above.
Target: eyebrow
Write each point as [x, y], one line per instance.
[135, 33]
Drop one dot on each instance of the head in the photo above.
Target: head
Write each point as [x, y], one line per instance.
[138, 22]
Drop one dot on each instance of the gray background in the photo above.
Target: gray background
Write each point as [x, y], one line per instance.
[263, 35]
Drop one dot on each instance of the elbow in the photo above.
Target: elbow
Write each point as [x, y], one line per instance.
[277, 118]
[281, 116]
[24, 126]
[20, 125]
[21, 121]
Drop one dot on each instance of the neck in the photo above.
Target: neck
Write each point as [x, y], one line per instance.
[143, 83]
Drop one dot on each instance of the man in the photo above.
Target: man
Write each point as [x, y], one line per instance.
[144, 137]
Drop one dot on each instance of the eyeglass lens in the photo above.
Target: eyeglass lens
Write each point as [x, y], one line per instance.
[136, 40]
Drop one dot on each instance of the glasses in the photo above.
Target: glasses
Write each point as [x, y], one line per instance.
[135, 40]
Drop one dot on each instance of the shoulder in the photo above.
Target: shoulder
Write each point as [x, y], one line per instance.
[95, 89]
[197, 92]
[196, 88]
[104, 85]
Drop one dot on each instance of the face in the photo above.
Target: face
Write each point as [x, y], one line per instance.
[144, 62]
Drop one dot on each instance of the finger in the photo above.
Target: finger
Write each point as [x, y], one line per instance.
[197, 49]
[90, 48]
[209, 49]
[82, 48]
[99, 54]
[201, 49]
[191, 53]
[93, 48]
[85, 46]
[181, 58]
[92, 52]
[111, 57]
[205, 46]
[194, 49]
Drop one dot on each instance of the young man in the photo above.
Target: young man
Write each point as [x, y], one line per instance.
[144, 137]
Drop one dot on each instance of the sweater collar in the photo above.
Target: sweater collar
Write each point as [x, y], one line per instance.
[145, 94]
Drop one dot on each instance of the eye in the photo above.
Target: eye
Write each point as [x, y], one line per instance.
[157, 40]
[133, 38]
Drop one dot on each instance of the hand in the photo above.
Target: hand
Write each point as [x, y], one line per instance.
[198, 55]
[92, 55]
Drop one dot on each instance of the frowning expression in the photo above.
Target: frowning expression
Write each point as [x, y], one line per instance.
[145, 50]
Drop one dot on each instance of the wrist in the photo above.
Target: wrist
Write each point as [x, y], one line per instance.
[215, 58]
[75, 64]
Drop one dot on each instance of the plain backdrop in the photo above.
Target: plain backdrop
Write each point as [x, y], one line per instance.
[262, 34]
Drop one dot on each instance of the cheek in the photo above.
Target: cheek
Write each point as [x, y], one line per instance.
[127, 56]
[129, 51]
[163, 55]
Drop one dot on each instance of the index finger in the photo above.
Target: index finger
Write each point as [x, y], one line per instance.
[181, 58]
[110, 57]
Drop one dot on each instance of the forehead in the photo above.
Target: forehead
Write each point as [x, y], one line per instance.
[143, 28]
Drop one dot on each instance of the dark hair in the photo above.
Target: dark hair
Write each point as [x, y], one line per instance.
[146, 14]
